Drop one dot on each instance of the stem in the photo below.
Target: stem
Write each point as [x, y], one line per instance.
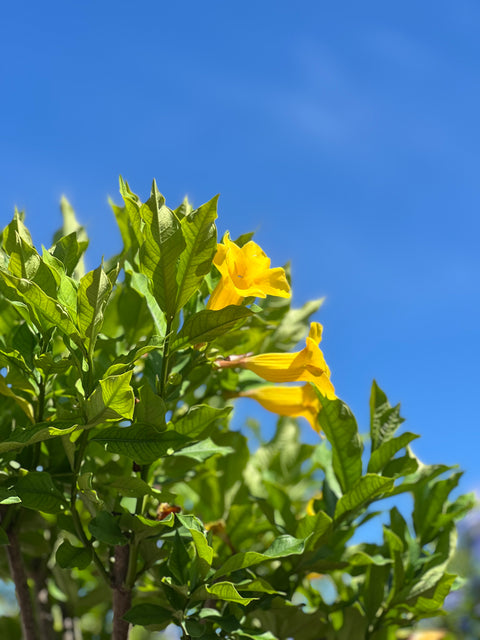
[122, 594]
[41, 399]
[75, 516]
[166, 353]
[17, 570]
[132, 566]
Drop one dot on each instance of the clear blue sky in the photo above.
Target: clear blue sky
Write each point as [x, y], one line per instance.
[346, 133]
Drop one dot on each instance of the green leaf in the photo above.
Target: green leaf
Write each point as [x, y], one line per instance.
[71, 225]
[384, 419]
[160, 250]
[385, 452]
[69, 250]
[223, 591]
[429, 606]
[376, 578]
[8, 496]
[199, 418]
[293, 327]
[93, 294]
[339, 425]
[202, 450]
[38, 433]
[112, 400]
[132, 209]
[134, 487]
[16, 229]
[52, 313]
[127, 360]
[178, 559]
[364, 491]
[24, 405]
[104, 527]
[208, 324]
[313, 527]
[4, 537]
[430, 501]
[147, 613]
[141, 442]
[151, 408]
[69, 557]
[139, 282]
[282, 547]
[195, 262]
[37, 491]
[204, 552]
[66, 287]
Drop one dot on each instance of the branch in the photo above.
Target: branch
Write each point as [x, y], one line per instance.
[38, 573]
[122, 594]
[19, 577]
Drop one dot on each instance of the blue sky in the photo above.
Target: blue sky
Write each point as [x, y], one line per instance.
[345, 133]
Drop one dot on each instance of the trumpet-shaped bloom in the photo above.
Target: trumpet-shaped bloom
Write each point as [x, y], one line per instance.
[245, 273]
[307, 365]
[296, 402]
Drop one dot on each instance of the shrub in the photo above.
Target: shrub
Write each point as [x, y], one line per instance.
[127, 499]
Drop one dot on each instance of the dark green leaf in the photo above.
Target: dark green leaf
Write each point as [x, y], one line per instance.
[141, 442]
[384, 419]
[38, 433]
[385, 452]
[199, 418]
[146, 614]
[69, 556]
[104, 527]
[37, 491]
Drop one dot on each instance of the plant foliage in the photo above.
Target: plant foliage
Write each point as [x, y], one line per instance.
[123, 487]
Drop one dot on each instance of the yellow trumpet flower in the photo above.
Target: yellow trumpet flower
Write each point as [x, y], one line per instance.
[307, 365]
[296, 402]
[245, 273]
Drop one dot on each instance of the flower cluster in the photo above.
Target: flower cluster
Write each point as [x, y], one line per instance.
[245, 272]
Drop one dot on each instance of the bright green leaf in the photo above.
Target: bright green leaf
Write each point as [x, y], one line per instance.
[208, 324]
[160, 250]
[112, 400]
[93, 294]
[365, 489]
[339, 425]
[195, 262]
[385, 452]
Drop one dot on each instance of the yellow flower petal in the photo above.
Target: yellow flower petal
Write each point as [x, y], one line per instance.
[307, 365]
[245, 273]
[296, 402]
